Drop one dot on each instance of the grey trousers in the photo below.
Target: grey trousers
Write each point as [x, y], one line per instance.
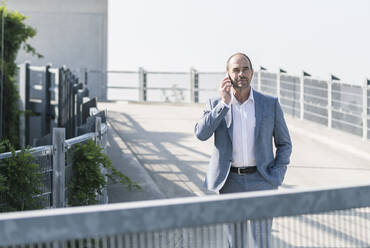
[237, 235]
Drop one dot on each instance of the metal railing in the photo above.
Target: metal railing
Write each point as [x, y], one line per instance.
[329, 217]
[56, 164]
[329, 102]
[54, 95]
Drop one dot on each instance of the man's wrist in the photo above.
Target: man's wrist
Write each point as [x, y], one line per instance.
[225, 104]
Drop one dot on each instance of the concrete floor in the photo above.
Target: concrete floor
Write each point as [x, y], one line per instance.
[161, 138]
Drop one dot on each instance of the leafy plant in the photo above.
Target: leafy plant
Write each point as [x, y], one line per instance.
[88, 180]
[16, 33]
[20, 180]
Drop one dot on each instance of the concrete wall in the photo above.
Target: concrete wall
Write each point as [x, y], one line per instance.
[71, 33]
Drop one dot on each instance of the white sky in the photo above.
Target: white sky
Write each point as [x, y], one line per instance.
[321, 37]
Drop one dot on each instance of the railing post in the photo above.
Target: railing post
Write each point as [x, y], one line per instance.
[75, 105]
[98, 141]
[259, 82]
[27, 102]
[330, 117]
[142, 84]
[46, 115]
[301, 96]
[194, 86]
[80, 96]
[22, 104]
[58, 187]
[364, 109]
[61, 106]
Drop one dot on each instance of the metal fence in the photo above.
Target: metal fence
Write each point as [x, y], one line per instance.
[331, 217]
[329, 102]
[54, 96]
[56, 164]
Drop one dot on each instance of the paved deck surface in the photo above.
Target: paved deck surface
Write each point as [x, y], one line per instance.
[154, 144]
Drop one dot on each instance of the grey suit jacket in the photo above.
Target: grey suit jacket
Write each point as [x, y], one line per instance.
[270, 126]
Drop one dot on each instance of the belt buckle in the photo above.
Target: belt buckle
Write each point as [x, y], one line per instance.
[239, 173]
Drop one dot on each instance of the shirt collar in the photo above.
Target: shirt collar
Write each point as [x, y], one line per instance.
[250, 99]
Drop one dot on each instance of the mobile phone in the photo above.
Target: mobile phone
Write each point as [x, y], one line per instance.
[232, 82]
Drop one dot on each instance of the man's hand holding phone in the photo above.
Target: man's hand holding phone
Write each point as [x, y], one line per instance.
[225, 89]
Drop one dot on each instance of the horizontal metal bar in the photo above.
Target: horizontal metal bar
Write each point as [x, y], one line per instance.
[287, 106]
[144, 216]
[168, 72]
[318, 97]
[315, 114]
[268, 79]
[289, 83]
[38, 68]
[73, 141]
[205, 89]
[347, 103]
[123, 87]
[54, 70]
[347, 123]
[268, 87]
[288, 91]
[37, 151]
[289, 99]
[348, 85]
[347, 93]
[166, 88]
[315, 87]
[315, 105]
[210, 73]
[118, 72]
[42, 194]
[346, 113]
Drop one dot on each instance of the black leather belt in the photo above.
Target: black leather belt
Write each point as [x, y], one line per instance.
[245, 170]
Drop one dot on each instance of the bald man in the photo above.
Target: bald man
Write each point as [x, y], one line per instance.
[244, 123]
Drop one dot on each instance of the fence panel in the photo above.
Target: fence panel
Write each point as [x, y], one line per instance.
[209, 84]
[316, 100]
[123, 85]
[43, 156]
[168, 87]
[347, 108]
[269, 83]
[290, 94]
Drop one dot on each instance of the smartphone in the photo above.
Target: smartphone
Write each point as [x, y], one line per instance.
[232, 82]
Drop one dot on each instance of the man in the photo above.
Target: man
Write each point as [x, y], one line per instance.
[244, 122]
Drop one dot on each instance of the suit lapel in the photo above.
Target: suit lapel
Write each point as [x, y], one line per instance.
[258, 111]
[229, 124]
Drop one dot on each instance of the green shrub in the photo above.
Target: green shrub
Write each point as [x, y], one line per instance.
[20, 180]
[87, 180]
[16, 33]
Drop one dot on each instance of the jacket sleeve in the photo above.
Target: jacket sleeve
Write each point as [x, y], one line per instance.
[283, 143]
[210, 120]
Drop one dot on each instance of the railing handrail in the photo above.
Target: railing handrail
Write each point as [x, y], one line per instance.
[48, 149]
[39, 149]
[155, 215]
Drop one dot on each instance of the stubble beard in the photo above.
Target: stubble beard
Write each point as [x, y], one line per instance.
[242, 84]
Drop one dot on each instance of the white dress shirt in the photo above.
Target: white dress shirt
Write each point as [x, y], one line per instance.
[244, 123]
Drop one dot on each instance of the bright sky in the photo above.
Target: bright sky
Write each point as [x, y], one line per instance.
[321, 37]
